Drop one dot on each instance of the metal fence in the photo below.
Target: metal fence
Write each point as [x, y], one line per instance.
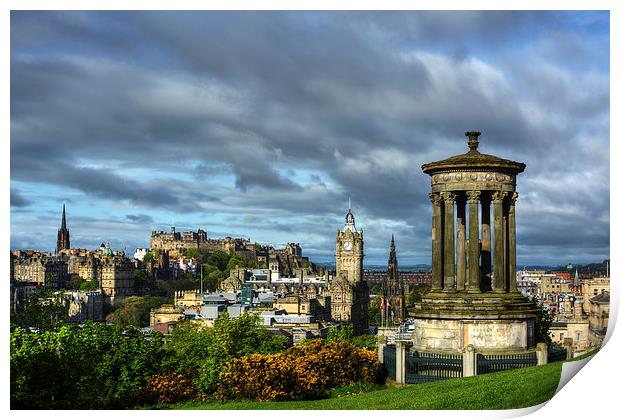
[556, 353]
[426, 367]
[489, 363]
[389, 361]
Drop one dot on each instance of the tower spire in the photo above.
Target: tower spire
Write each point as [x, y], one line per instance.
[63, 233]
[63, 223]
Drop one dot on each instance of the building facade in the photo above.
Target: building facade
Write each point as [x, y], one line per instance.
[41, 271]
[348, 291]
[117, 280]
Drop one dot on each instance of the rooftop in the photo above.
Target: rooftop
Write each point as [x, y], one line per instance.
[474, 159]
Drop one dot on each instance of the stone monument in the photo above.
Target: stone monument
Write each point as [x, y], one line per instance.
[474, 298]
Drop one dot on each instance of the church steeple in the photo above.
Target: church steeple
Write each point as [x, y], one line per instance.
[393, 299]
[63, 233]
[63, 223]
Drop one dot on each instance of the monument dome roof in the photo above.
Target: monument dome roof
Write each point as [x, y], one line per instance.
[473, 159]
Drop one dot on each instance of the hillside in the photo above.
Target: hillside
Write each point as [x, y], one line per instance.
[510, 389]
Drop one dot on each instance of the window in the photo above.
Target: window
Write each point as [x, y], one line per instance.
[595, 292]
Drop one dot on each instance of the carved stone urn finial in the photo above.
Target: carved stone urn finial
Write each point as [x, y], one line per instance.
[473, 140]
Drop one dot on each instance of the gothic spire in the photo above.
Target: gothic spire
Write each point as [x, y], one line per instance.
[63, 233]
[63, 223]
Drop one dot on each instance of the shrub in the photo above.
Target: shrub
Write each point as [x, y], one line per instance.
[302, 372]
[81, 367]
[168, 388]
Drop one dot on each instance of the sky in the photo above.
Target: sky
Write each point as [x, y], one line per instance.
[264, 124]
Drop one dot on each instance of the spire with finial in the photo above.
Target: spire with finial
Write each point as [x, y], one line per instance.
[349, 223]
[63, 241]
[63, 223]
[473, 140]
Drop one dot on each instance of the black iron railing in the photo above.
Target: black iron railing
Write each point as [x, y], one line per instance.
[426, 367]
[389, 361]
[489, 363]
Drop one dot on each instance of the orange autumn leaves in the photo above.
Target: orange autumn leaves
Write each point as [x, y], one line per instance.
[302, 372]
[168, 387]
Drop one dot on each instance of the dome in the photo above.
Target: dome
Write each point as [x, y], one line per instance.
[473, 159]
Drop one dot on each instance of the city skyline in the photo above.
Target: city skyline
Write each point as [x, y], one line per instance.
[268, 129]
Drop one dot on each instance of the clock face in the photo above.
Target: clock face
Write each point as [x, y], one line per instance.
[348, 245]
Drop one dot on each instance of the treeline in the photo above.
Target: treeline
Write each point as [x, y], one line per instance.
[99, 366]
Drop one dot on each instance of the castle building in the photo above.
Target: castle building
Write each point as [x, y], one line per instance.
[348, 291]
[393, 310]
[63, 234]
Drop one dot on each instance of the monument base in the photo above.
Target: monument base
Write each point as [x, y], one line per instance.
[495, 322]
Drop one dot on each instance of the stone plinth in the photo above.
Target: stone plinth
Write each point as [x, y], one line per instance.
[489, 321]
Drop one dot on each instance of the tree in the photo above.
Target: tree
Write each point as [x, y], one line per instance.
[91, 366]
[206, 350]
[418, 291]
[234, 261]
[374, 311]
[544, 318]
[135, 310]
[74, 282]
[219, 259]
[45, 310]
[140, 280]
[89, 285]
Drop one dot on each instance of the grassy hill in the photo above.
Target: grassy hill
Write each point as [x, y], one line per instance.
[516, 388]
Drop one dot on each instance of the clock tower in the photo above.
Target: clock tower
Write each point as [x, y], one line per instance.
[348, 290]
[350, 250]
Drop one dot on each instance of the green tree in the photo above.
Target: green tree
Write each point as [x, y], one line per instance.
[219, 259]
[135, 310]
[74, 282]
[44, 310]
[417, 292]
[89, 285]
[91, 366]
[234, 261]
[544, 318]
[140, 280]
[206, 350]
[374, 311]
[346, 333]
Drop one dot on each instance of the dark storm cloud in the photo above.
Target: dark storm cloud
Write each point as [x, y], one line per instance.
[360, 100]
[18, 200]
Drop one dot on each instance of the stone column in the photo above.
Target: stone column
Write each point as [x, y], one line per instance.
[499, 279]
[461, 259]
[401, 363]
[512, 243]
[485, 249]
[469, 361]
[448, 248]
[541, 354]
[436, 235]
[474, 246]
[381, 343]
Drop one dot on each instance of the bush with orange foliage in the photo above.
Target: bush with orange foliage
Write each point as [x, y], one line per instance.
[168, 387]
[302, 372]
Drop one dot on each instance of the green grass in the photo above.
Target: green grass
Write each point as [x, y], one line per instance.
[509, 389]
